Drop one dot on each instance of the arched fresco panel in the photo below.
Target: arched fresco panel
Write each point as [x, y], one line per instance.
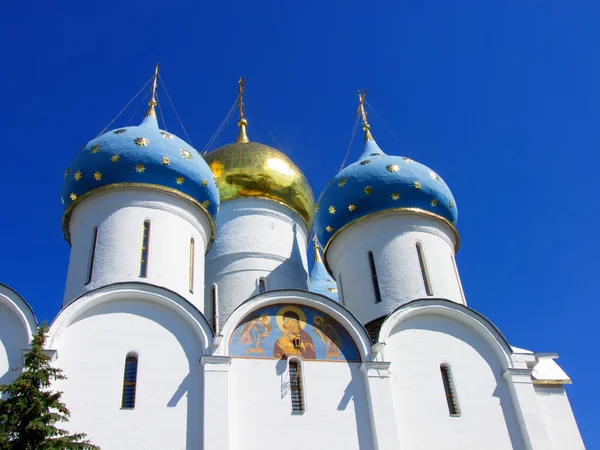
[281, 331]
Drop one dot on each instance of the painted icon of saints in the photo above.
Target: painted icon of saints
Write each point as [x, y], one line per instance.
[293, 340]
[254, 331]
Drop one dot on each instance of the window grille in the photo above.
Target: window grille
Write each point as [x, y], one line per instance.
[450, 391]
[129, 382]
[296, 391]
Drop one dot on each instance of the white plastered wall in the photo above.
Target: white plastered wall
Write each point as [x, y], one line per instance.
[119, 216]
[558, 417]
[416, 347]
[392, 239]
[92, 338]
[256, 238]
[17, 325]
[337, 414]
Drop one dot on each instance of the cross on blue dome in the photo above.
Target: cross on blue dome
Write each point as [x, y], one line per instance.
[377, 183]
[142, 156]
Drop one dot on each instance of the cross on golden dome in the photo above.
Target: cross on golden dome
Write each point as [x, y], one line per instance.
[242, 136]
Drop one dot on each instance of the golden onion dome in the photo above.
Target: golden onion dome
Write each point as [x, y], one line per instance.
[250, 169]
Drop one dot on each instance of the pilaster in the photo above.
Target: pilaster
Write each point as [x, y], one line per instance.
[381, 405]
[216, 402]
[527, 408]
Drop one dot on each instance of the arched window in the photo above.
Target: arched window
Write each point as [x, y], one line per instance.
[374, 278]
[191, 269]
[462, 294]
[144, 252]
[451, 399]
[262, 284]
[340, 289]
[129, 381]
[296, 385]
[92, 256]
[215, 307]
[424, 274]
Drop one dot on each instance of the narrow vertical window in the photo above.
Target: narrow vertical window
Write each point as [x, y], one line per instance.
[450, 391]
[341, 290]
[129, 381]
[462, 294]
[145, 249]
[92, 255]
[296, 391]
[262, 285]
[191, 274]
[424, 275]
[374, 278]
[215, 308]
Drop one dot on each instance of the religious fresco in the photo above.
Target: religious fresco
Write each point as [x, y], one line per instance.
[281, 331]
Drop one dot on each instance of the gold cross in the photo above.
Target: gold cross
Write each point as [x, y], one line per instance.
[240, 102]
[361, 107]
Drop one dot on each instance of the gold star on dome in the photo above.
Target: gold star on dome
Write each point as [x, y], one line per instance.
[450, 204]
[204, 182]
[95, 149]
[331, 289]
[77, 175]
[139, 168]
[121, 131]
[434, 202]
[368, 190]
[97, 176]
[166, 160]
[351, 208]
[62, 200]
[166, 135]
[329, 228]
[67, 172]
[392, 168]
[141, 142]
[332, 209]
[342, 182]
[115, 158]
[205, 203]
[186, 153]
[179, 180]
[434, 175]
[365, 162]
[408, 160]
[73, 196]
[417, 185]
[395, 196]
[317, 207]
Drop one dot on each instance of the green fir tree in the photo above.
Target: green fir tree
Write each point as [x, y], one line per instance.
[30, 411]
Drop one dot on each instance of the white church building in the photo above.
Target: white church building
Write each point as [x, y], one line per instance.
[190, 319]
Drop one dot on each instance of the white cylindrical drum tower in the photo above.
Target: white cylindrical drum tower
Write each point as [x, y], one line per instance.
[140, 205]
[387, 225]
[262, 230]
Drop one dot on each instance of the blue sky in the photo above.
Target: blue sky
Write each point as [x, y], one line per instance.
[500, 98]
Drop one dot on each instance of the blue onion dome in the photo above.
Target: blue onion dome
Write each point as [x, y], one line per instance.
[320, 281]
[379, 183]
[143, 157]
